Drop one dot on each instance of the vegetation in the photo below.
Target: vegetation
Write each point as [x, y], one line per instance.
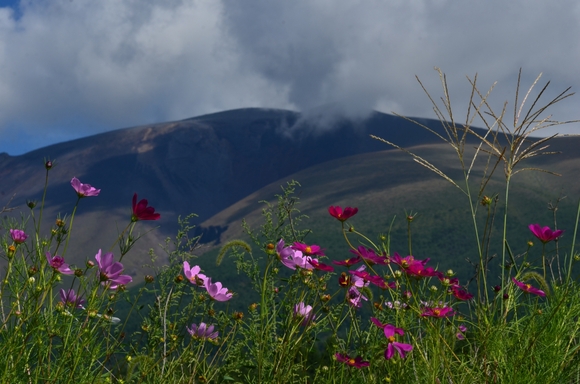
[384, 313]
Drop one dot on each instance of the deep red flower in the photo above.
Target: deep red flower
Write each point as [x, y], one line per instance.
[341, 215]
[356, 362]
[545, 234]
[320, 266]
[142, 212]
[347, 263]
[460, 294]
[528, 288]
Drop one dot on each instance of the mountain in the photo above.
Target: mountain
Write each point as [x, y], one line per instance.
[203, 165]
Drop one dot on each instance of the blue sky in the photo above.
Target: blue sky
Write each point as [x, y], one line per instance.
[72, 68]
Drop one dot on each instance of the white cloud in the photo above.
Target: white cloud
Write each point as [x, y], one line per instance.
[71, 68]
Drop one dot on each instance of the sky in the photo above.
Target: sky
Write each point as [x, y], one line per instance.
[73, 68]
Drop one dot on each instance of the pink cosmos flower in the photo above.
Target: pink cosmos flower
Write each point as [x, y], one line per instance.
[70, 299]
[84, 190]
[341, 215]
[110, 271]
[304, 312]
[356, 362]
[376, 280]
[528, 288]
[142, 212]
[203, 331]
[292, 258]
[308, 250]
[217, 291]
[355, 298]
[438, 312]
[369, 255]
[57, 263]
[193, 274]
[18, 236]
[390, 331]
[461, 334]
[545, 234]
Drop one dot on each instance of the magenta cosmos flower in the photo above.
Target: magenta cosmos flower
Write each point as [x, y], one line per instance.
[356, 362]
[347, 263]
[528, 288]
[84, 190]
[308, 250]
[203, 331]
[545, 234]
[394, 346]
[217, 291]
[341, 215]
[320, 266]
[369, 255]
[70, 299]
[193, 274]
[57, 263]
[110, 271]
[18, 236]
[142, 212]
[304, 312]
[438, 312]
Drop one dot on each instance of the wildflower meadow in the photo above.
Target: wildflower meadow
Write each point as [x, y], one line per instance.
[372, 314]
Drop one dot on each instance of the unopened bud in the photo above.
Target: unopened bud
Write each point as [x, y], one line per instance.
[149, 279]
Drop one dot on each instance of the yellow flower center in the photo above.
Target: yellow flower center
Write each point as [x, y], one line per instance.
[528, 286]
[391, 339]
[351, 361]
[437, 312]
[308, 250]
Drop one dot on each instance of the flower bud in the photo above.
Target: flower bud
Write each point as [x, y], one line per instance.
[31, 204]
[78, 272]
[149, 279]
[178, 279]
[48, 165]
[90, 264]
[253, 307]
[31, 280]
[450, 273]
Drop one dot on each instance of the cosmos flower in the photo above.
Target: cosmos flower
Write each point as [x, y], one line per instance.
[460, 294]
[347, 263]
[320, 266]
[142, 212]
[545, 234]
[356, 362]
[394, 346]
[341, 215]
[217, 291]
[192, 274]
[304, 312]
[110, 271]
[369, 255]
[18, 236]
[57, 263]
[461, 334]
[355, 298]
[438, 312]
[202, 331]
[528, 288]
[308, 250]
[292, 258]
[84, 190]
[70, 299]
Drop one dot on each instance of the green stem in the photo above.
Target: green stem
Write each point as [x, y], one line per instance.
[573, 244]
[70, 226]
